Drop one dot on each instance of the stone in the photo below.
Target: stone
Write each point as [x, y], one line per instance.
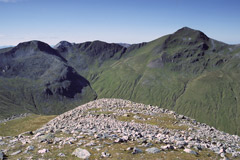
[119, 140]
[181, 117]
[42, 151]
[129, 148]
[61, 155]
[98, 148]
[30, 148]
[187, 150]
[37, 135]
[48, 137]
[92, 143]
[222, 150]
[136, 150]
[152, 150]
[125, 138]
[222, 155]
[180, 144]
[234, 154]
[2, 143]
[167, 147]
[1, 155]
[224, 158]
[136, 117]
[15, 153]
[81, 153]
[105, 155]
[147, 144]
[98, 135]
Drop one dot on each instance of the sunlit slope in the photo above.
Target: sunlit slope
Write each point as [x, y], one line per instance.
[186, 71]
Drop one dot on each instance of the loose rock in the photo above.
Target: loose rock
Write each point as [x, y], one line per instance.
[152, 150]
[81, 153]
[42, 151]
[136, 150]
[1, 155]
[190, 151]
[15, 153]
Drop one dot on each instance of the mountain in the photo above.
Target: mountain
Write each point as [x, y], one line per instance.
[125, 44]
[36, 78]
[8, 46]
[185, 71]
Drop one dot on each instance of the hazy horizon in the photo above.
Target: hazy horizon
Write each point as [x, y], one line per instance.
[115, 21]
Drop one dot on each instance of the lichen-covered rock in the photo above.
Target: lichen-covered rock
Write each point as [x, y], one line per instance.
[152, 150]
[187, 150]
[81, 153]
[1, 155]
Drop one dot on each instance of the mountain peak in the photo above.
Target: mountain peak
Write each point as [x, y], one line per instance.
[187, 29]
[33, 45]
[28, 48]
[63, 44]
[190, 33]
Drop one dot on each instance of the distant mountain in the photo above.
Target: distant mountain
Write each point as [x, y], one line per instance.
[6, 46]
[36, 78]
[125, 44]
[185, 71]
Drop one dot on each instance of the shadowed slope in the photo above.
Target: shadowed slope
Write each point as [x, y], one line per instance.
[36, 78]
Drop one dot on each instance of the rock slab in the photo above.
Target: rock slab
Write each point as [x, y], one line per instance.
[81, 153]
[152, 150]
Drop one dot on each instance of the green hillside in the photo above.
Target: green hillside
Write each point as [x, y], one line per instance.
[34, 78]
[185, 71]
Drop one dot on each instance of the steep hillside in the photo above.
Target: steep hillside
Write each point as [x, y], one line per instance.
[88, 56]
[36, 78]
[185, 71]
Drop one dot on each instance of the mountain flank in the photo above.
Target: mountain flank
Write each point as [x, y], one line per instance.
[35, 78]
[186, 71]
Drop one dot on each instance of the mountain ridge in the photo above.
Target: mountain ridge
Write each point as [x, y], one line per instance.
[185, 71]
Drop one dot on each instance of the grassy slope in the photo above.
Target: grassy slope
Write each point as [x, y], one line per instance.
[198, 82]
[18, 126]
[33, 69]
[206, 92]
[18, 95]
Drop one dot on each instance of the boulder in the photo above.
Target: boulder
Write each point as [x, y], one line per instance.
[15, 153]
[1, 155]
[47, 137]
[42, 151]
[136, 150]
[190, 151]
[152, 150]
[104, 154]
[61, 155]
[81, 153]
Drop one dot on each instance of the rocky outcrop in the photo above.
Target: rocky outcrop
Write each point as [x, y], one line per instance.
[115, 122]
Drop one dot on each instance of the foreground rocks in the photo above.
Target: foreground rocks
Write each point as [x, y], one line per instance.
[81, 153]
[1, 155]
[129, 129]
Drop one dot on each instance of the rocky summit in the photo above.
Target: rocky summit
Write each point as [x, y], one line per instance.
[121, 129]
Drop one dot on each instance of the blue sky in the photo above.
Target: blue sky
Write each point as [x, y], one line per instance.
[129, 21]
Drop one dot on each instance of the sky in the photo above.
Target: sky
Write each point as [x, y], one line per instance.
[115, 21]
